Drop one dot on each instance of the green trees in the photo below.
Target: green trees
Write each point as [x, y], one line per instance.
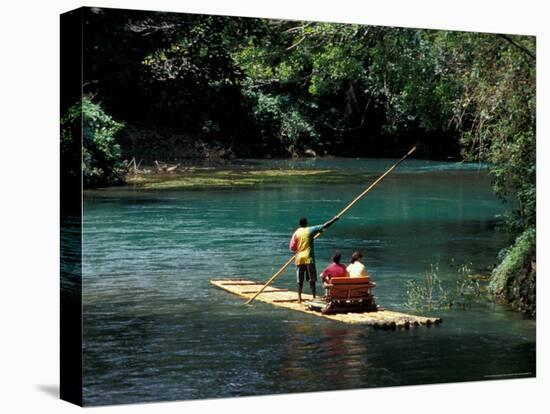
[355, 90]
[263, 86]
[268, 87]
[473, 91]
[496, 116]
[171, 73]
[100, 152]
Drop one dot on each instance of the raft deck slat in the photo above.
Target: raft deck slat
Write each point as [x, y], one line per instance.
[382, 318]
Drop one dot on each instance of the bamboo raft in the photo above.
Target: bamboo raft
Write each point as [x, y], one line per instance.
[284, 298]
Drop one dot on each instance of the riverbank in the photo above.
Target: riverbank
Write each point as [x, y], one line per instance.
[197, 173]
[208, 177]
[514, 280]
[158, 142]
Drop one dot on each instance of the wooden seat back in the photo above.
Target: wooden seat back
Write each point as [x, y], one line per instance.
[349, 288]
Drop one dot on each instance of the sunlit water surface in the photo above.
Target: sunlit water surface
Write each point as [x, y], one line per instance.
[155, 329]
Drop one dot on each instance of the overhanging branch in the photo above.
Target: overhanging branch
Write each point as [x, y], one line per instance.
[523, 48]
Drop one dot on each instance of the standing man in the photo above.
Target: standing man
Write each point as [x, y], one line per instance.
[302, 244]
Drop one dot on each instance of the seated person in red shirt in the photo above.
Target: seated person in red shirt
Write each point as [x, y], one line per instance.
[335, 269]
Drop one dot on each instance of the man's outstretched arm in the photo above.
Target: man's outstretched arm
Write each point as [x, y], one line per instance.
[330, 222]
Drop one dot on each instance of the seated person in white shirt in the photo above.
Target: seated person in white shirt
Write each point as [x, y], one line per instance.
[356, 268]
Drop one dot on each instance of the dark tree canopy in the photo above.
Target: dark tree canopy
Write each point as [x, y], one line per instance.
[259, 87]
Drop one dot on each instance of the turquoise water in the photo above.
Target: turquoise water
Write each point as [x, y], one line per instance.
[155, 329]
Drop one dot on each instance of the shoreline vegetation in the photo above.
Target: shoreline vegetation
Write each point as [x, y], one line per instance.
[198, 173]
[172, 86]
[193, 177]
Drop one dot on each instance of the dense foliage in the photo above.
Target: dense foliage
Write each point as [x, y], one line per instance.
[186, 84]
[496, 115]
[514, 279]
[100, 152]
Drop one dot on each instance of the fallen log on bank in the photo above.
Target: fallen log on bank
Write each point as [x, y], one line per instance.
[165, 167]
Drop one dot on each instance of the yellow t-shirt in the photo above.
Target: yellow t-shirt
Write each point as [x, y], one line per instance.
[302, 244]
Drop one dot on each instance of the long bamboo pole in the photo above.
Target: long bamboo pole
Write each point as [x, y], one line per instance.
[350, 205]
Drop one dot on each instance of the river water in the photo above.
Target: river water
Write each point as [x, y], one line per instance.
[155, 329]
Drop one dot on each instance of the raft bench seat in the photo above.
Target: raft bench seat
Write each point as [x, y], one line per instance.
[349, 288]
[346, 294]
